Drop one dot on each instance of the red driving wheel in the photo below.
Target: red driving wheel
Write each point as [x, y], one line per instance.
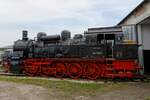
[92, 71]
[74, 70]
[60, 70]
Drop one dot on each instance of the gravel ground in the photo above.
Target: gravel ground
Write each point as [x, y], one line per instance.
[15, 91]
[134, 91]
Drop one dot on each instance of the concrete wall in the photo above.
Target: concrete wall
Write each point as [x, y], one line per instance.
[141, 14]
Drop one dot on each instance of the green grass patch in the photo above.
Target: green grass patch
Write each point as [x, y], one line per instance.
[148, 98]
[65, 87]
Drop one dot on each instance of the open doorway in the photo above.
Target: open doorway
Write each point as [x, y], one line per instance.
[146, 54]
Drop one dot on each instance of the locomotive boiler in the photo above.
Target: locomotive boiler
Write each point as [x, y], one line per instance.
[91, 57]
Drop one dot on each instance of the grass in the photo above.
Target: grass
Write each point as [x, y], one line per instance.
[65, 87]
[148, 98]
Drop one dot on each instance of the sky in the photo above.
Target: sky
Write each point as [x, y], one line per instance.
[53, 16]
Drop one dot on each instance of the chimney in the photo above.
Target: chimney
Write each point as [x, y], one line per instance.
[24, 35]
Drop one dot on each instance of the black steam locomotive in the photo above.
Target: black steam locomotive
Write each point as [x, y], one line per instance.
[63, 47]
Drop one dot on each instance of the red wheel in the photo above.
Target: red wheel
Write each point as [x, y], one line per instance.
[92, 71]
[26, 68]
[31, 70]
[60, 70]
[27, 71]
[101, 70]
[44, 71]
[74, 70]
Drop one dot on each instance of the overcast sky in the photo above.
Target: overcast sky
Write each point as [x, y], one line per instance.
[53, 16]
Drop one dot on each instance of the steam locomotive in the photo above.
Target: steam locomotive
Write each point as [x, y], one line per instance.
[83, 56]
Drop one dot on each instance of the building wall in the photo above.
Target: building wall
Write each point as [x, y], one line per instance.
[142, 13]
[146, 36]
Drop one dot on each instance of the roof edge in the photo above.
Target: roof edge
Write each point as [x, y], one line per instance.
[142, 3]
[104, 27]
